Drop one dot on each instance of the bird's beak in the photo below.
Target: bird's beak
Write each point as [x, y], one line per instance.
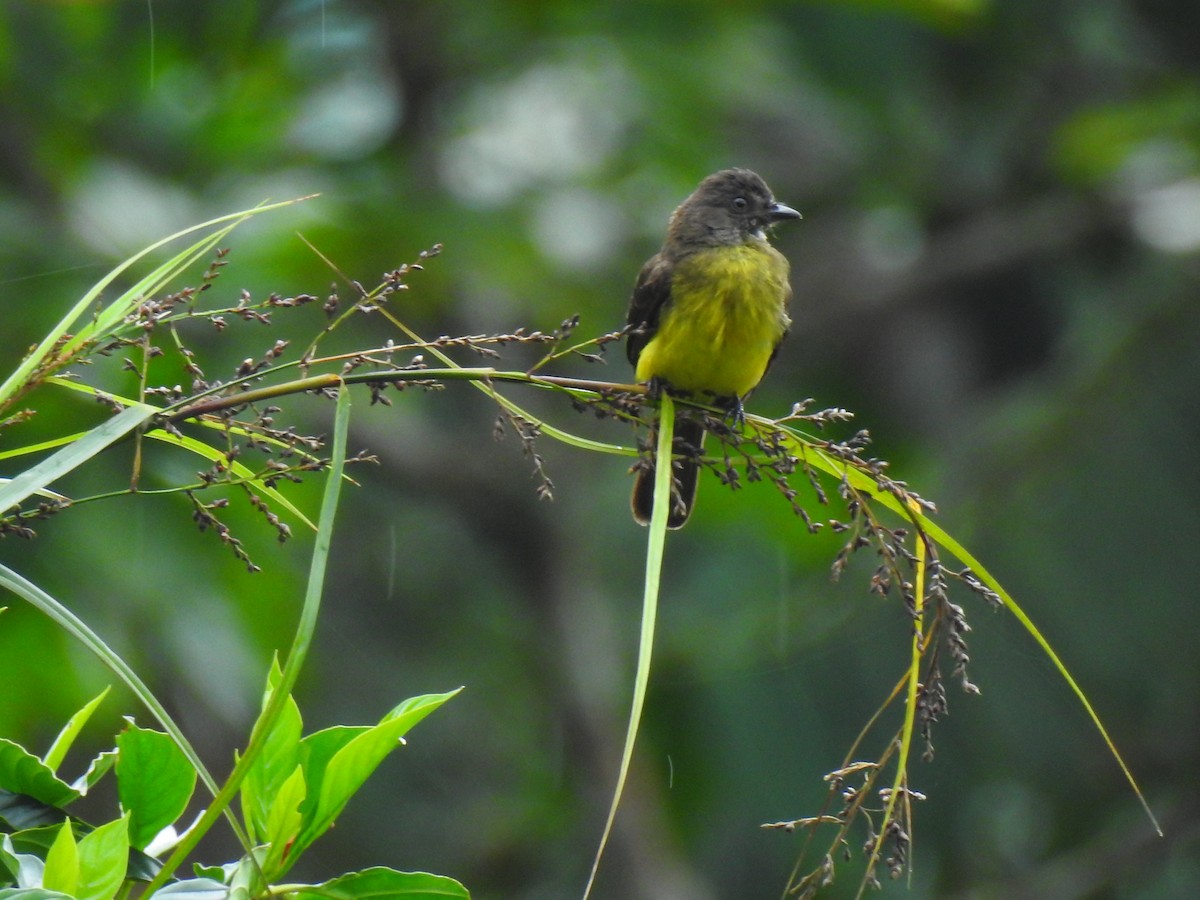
[777, 212]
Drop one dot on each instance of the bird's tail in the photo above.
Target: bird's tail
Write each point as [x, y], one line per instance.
[688, 443]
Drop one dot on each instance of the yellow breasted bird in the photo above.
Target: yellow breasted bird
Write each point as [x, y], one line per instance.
[707, 315]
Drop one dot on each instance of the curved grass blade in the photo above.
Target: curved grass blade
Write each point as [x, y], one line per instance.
[654, 556]
[73, 625]
[73, 456]
[861, 481]
[281, 692]
[116, 310]
[937, 534]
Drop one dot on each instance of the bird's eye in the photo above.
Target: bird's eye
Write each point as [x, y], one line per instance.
[739, 203]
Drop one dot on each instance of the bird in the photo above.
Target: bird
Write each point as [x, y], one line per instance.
[707, 315]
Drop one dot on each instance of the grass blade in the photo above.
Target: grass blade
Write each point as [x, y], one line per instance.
[114, 311]
[73, 456]
[657, 538]
[281, 693]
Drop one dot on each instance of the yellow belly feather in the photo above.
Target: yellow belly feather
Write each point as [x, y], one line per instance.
[726, 314]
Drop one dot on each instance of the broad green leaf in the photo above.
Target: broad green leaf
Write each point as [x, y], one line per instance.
[20, 811]
[283, 821]
[103, 859]
[38, 840]
[141, 866]
[23, 773]
[353, 763]
[31, 894]
[386, 884]
[78, 629]
[58, 750]
[413, 710]
[316, 750]
[34, 843]
[62, 863]
[155, 782]
[195, 889]
[274, 764]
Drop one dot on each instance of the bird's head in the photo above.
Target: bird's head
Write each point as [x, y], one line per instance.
[732, 206]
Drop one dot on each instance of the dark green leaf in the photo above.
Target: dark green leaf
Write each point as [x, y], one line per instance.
[155, 781]
[23, 773]
[195, 889]
[384, 884]
[20, 811]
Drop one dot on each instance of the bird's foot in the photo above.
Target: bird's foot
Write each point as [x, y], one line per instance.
[735, 416]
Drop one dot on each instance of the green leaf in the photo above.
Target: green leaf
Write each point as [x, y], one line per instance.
[72, 456]
[194, 889]
[213, 873]
[155, 781]
[58, 750]
[141, 866]
[413, 710]
[34, 843]
[78, 629]
[353, 764]
[62, 863]
[384, 884]
[299, 649]
[20, 811]
[103, 859]
[23, 773]
[239, 469]
[284, 821]
[83, 323]
[38, 840]
[31, 894]
[350, 766]
[274, 764]
[316, 750]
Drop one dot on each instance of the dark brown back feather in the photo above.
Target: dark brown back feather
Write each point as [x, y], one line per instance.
[651, 293]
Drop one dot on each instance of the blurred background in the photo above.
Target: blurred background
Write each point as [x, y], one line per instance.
[997, 271]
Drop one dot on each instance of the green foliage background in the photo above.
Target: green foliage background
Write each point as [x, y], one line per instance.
[997, 271]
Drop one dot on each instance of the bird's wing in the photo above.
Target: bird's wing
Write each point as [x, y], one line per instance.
[651, 292]
[779, 343]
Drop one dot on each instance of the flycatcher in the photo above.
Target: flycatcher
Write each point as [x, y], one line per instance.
[707, 315]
